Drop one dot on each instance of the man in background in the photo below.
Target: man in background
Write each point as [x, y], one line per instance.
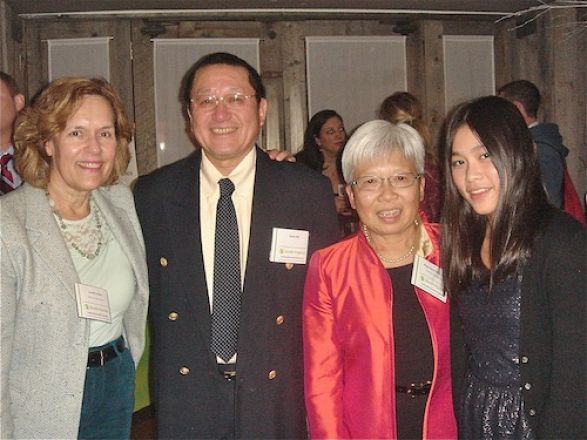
[227, 232]
[549, 142]
[11, 102]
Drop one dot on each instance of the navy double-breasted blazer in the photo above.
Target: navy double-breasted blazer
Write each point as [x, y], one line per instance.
[269, 384]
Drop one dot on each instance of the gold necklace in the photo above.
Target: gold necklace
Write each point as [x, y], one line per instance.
[382, 257]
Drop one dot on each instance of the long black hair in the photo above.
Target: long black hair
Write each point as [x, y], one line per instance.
[310, 154]
[522, 200]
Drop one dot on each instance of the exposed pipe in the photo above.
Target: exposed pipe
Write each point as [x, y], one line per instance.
[255, 11]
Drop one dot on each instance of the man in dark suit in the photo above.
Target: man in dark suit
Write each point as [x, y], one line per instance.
[254, 389]
[11, 102]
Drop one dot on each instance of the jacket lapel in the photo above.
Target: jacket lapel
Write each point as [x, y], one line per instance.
[259, 273]
[263, 205]
[115, 214]
[182, 210]
[47, 240]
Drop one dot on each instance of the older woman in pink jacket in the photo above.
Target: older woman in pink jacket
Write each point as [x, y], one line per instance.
[376, 319]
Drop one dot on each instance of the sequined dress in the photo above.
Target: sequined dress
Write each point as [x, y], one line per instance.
[491, 405]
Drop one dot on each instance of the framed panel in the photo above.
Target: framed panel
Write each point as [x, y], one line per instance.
[38, 33]
[79, 56]
[353, 75]
[469, 70]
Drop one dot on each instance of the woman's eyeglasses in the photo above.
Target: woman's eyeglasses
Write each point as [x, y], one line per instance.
[375, 183]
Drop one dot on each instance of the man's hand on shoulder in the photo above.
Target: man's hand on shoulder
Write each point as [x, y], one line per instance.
[280, 155]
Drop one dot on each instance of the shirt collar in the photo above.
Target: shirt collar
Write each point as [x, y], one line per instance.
[425, 246]
[10, 150]
[210, 174]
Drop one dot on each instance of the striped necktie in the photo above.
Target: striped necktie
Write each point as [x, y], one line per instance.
[6, 178]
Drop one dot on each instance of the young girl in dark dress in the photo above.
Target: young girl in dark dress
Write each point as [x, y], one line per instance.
[516, 267]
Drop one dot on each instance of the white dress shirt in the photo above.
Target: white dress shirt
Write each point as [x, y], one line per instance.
[16, 179]
[243, 177]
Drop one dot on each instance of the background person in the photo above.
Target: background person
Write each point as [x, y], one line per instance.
[324, 140]
[240, 376]
[516, 267]
[70, 229]
[376, 348]
[551, 151]
[11, 102]
[403, 107]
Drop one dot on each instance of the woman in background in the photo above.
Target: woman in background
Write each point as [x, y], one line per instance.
[405, 107]
[74, 277]
[376, 347]
[515, 266]
[324, 139]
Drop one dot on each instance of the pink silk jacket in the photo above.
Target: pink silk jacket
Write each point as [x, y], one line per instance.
[348, 344]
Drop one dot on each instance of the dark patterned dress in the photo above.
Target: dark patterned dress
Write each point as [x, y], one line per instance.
[492, 406]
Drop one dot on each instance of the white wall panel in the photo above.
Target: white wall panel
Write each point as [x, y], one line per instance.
[353, 75]
[468, 67]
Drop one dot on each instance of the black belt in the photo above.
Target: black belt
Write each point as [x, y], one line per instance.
[228, 371]
[100, 357]
[415, 389]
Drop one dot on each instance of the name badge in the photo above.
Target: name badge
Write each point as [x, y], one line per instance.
[92, 303]
[428, 277]
[289, 246]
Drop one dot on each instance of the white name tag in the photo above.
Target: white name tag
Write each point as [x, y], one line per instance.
[428, 277]
[92, 303]
[289, 246]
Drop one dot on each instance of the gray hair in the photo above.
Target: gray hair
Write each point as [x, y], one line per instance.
[375, 141]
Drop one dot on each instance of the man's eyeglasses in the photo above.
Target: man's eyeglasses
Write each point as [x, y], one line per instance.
[230, 100]
[375, 183]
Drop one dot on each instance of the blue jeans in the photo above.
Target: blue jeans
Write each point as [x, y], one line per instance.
[108, 401]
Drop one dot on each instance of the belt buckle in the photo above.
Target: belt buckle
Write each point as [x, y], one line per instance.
[419, 389]
[228, 372]
[102, 358]
[229, 375]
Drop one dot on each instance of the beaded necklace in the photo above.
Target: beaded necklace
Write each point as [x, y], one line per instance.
[86, 237]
